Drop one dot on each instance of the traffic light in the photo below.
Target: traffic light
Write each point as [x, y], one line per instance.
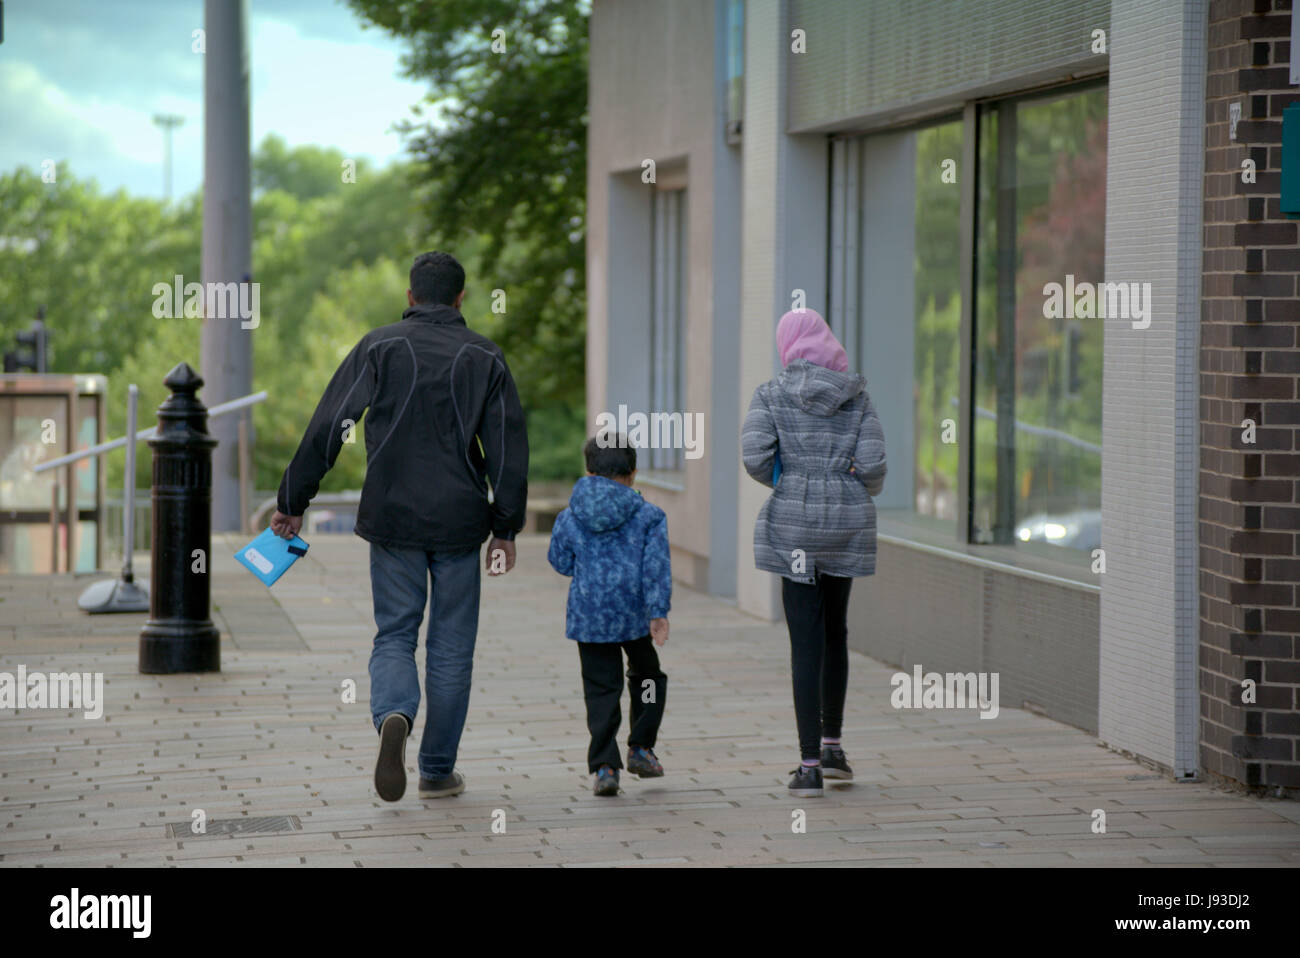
[31, 351]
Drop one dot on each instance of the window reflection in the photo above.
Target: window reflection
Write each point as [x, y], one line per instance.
[1040, 219]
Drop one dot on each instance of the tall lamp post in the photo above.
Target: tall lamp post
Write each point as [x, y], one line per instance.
[226, 347]
[167, 122]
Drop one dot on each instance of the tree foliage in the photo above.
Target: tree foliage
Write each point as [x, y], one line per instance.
[500, 150]
[304, 171]
[1060, 197]
[331, 258]
[91, 259]
[497, 174]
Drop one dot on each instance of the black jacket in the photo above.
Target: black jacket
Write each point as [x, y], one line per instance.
[434, 389]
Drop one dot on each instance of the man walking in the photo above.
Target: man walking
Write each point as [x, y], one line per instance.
[446, 466]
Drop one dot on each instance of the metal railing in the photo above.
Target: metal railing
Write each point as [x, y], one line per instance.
[128, 508]
[218, 410]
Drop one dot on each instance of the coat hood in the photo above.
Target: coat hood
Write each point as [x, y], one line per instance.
[818, 390]
[601, 504]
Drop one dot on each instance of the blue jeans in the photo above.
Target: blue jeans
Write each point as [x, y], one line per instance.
[399, 581]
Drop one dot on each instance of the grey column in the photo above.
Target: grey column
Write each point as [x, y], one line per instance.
[1154, 174]
[227, 348]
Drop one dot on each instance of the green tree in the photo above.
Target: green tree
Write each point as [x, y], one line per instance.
[331, 258]
[503, 156]
[92, 261]
[304, 171]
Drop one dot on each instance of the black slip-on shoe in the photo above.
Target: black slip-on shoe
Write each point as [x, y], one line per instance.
[835, 765]
[453, 783]
[390, 767]
[806, 782]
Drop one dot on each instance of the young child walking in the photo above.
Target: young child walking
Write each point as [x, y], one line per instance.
[615, 546]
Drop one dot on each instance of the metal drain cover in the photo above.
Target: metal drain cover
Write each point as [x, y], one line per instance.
[236, 826]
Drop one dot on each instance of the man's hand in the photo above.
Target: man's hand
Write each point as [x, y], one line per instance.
[500, 556]
[659, 631]
[286, 527]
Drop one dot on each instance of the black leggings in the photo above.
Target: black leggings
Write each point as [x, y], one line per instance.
[817, 616]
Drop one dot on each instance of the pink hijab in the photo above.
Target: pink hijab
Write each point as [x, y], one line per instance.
[803, 334]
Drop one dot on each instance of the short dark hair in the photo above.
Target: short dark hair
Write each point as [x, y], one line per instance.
[436, 278]
[609, 455]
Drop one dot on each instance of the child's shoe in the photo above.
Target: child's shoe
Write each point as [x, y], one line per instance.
[642, 762]
[806, 782]
[606, 781]
[834, 764]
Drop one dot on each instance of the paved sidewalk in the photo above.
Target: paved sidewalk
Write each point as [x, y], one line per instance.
[271, 735]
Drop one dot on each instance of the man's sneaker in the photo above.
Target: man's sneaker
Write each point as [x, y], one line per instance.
[806, 782]
[390, 767]
[606, 781]
[452, 783]
[834, 764]
[642, 762]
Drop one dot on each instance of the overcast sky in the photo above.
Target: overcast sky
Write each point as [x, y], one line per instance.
[80, 81]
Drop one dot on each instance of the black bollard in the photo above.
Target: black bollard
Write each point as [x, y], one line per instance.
[180, 636]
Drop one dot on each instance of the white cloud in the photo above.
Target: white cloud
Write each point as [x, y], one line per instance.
[38, 121]
[313, 90]
[307, 88]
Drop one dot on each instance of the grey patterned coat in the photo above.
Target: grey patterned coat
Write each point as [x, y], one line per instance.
[820, 517]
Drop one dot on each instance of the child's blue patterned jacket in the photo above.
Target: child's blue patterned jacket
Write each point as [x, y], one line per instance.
[615, 545]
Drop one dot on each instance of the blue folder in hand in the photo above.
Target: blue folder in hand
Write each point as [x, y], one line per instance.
[268, 556]
[776, 468]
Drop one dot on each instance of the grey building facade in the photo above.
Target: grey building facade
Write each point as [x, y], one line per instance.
[997, 206]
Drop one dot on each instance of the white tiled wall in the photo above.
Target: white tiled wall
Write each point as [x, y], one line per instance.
[1147, 693]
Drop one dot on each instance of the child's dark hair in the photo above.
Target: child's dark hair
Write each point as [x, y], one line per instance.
[610, 455]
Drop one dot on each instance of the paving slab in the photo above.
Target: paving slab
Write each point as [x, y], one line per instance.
[285, 730]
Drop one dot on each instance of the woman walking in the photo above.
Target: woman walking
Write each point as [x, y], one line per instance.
[812, 434]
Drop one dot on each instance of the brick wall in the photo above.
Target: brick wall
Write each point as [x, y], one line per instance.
[1249, 493]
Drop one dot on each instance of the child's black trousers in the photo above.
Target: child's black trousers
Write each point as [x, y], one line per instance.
[602, 687]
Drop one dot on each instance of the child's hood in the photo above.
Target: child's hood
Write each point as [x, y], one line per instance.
[818, 390]
[601, 504]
